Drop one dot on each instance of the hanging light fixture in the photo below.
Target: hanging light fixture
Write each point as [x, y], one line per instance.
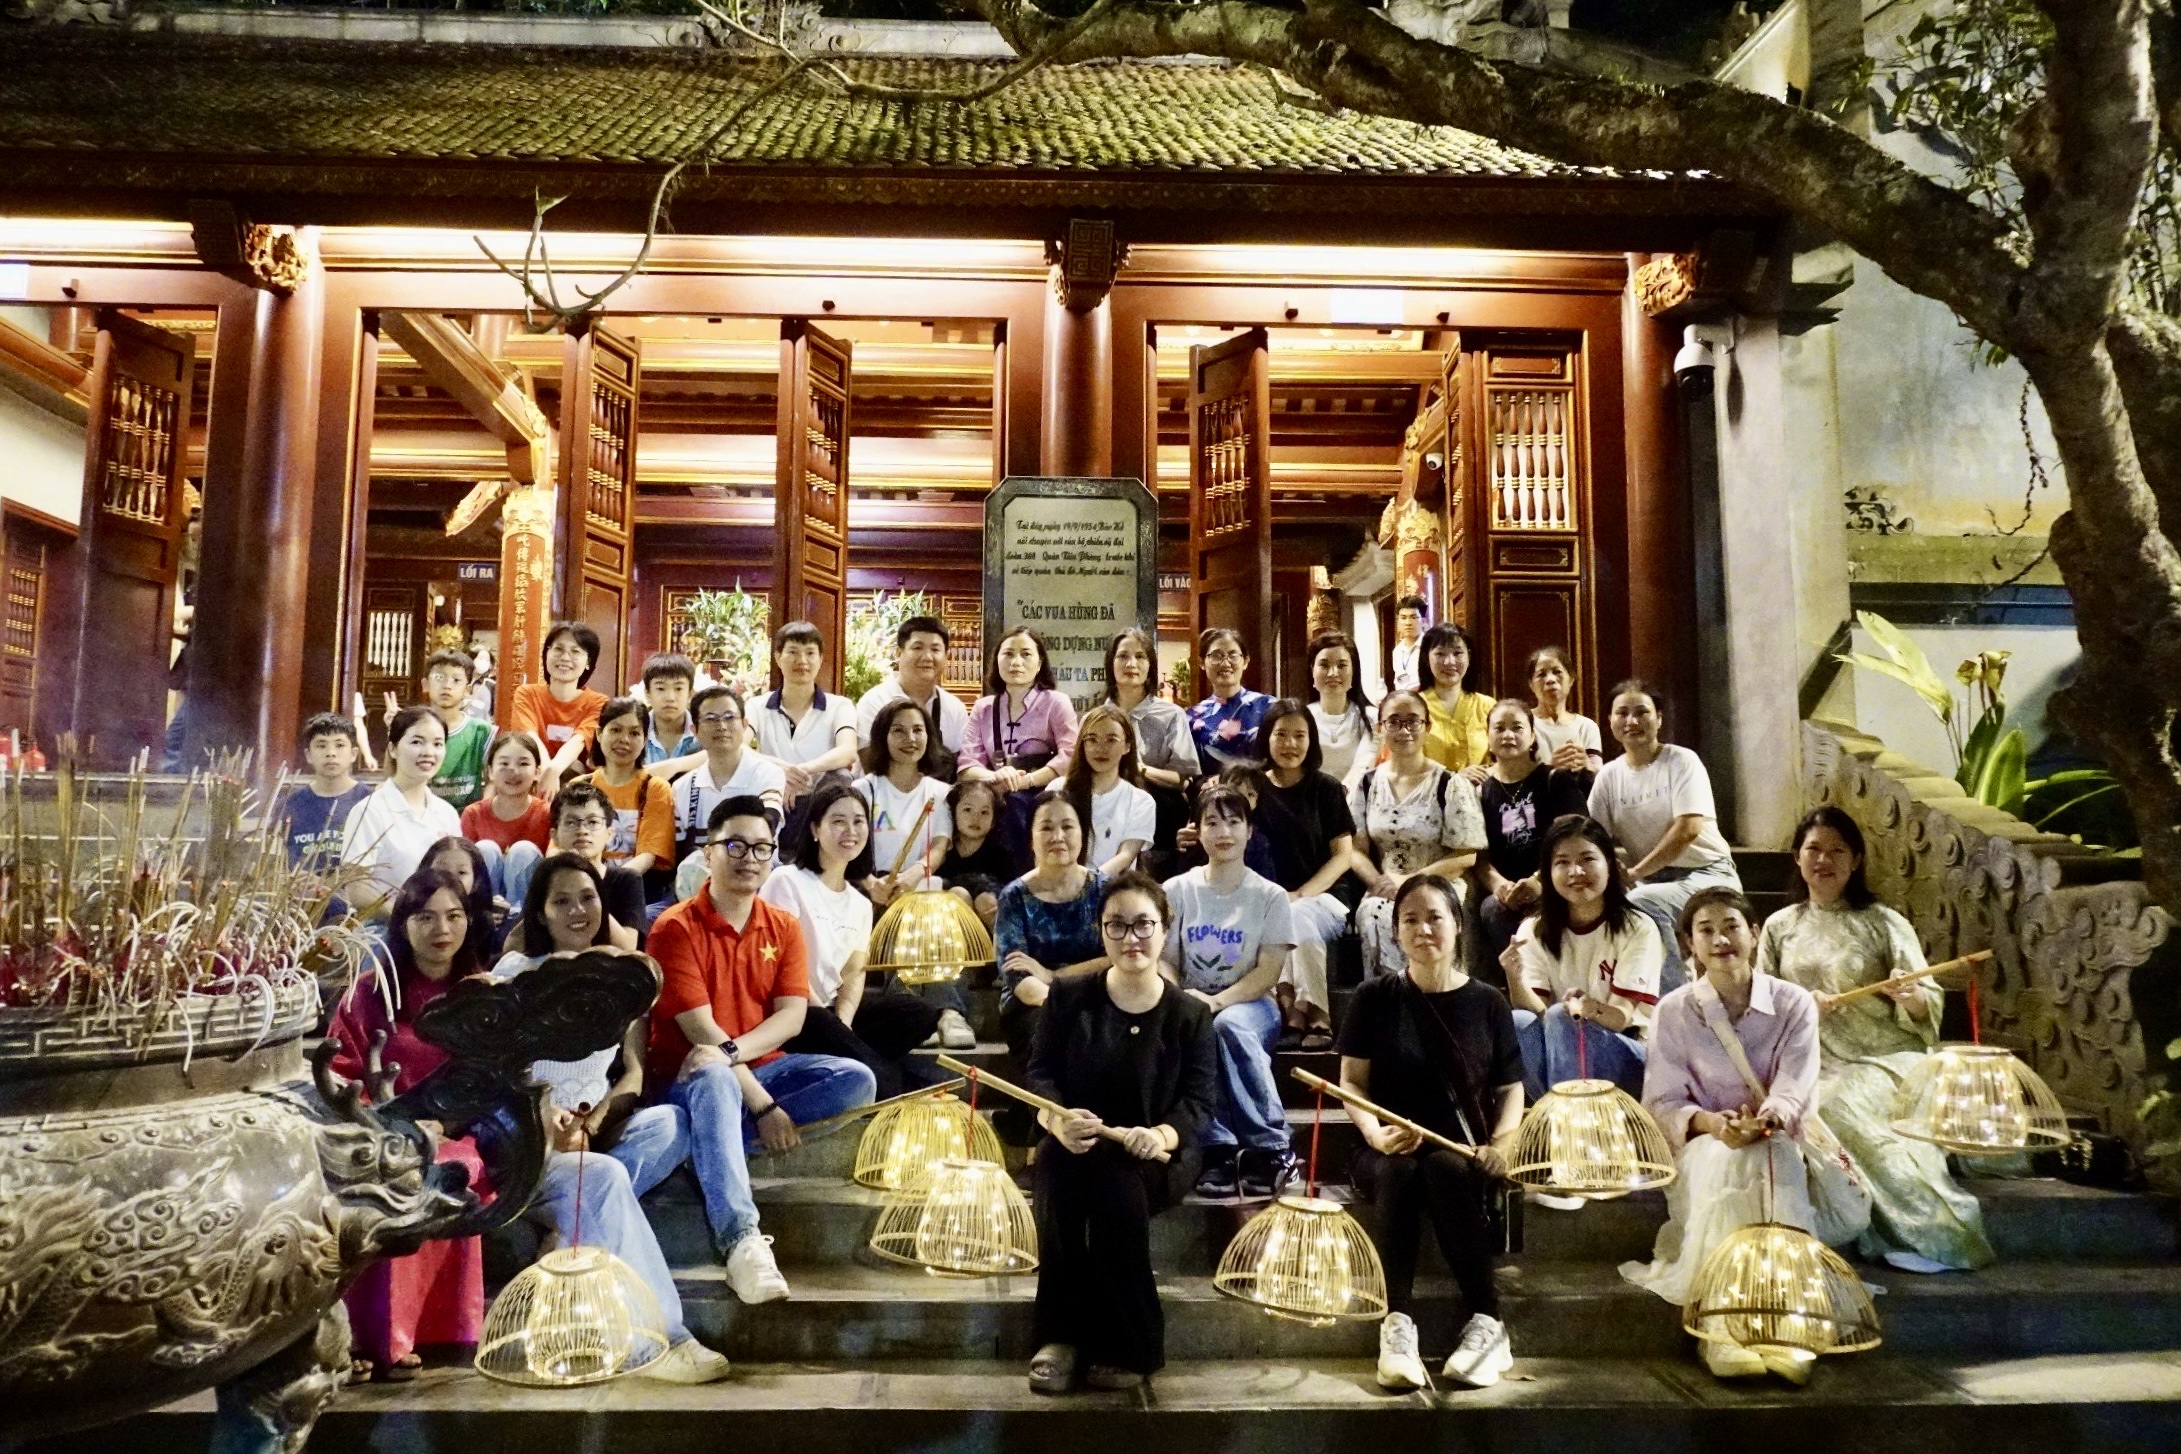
[1590, 1138]
[929, 936]
[910, 1137]
[1304, 1258]
[577, 1315]
[1979, 1100]
[966, 1219]
[1772, 1286]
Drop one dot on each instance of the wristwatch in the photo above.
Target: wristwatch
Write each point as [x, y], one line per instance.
[732, 1051]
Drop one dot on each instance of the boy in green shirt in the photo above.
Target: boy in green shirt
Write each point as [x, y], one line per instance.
[448, 675]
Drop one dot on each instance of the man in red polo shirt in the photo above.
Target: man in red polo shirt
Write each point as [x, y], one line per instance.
[734, 990]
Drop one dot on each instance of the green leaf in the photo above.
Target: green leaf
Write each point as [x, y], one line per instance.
[1977, 750]
[1998, 782]
[1913, 667]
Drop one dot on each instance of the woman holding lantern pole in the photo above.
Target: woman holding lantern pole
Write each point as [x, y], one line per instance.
[1732, 1078]
[1836, 938]
[1437, 1047]
[1132, 1059]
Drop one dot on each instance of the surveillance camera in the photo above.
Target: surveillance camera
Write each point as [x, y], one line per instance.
[1434, 460]
[1700, 345]
[1693, 363]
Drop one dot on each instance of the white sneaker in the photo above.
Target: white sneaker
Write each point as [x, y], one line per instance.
[686, 1362]
[1483, 1354]
[1558, 1203]
[752, 1273]
[1400, 1370]
[954, 1031]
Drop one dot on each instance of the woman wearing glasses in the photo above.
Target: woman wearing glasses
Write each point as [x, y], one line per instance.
[1132, 1058]
[1225, 723]
[1412, 817]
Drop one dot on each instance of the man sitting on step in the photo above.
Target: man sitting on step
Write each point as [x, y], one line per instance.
[734, 990]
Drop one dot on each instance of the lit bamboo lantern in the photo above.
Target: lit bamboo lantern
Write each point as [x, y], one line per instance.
[1979, 1100]
[967, 1219]
[929, 936]
[1590, 1138]
[1304, 1258]
[577, 1315]
[1772, 1286]
[907, 1139]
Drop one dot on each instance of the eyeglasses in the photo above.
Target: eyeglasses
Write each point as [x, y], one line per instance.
[577, 824]
[717, 719]
[741, 848]
[1223, 657]
[1129, 928]
[1402, 724]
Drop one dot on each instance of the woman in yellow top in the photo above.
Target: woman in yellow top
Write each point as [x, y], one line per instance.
[1456, 738]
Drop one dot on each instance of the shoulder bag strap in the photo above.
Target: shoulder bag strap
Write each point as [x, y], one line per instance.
[1708, 997]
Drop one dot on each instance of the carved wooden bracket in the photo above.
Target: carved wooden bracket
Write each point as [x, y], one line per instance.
[1681, 286]
[1086, 259]
[263, 256]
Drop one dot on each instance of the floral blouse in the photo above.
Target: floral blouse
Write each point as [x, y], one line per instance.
[1226, 732]
[1831, 950]
[1438, 817]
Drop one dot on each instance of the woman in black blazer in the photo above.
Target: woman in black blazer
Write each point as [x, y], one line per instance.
[1132, 1058]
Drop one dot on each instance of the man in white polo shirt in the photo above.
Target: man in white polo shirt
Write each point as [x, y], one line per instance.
[920, 658]
[805, 732]
[729, 770]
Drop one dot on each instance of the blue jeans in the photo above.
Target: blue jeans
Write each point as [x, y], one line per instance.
[808, 1087]
[1660, 898]
[1249, 1109]
[1549, 1053]
[514, 872]
[604, 1213]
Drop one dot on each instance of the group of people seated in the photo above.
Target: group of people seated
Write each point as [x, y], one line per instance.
[1165, 888]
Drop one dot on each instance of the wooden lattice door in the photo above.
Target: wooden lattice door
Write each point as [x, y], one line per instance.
[594, 539]
[117, 639]
[25, 549]
[810, 553]
[1230, 492]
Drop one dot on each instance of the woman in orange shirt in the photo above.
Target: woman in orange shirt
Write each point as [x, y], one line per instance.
[561, 710]
[643, 805]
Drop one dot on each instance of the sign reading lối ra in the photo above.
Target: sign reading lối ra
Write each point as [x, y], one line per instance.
[1075, 560]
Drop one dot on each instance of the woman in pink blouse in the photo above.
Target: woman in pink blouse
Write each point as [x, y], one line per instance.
[1020, 736]
[1736, 1143]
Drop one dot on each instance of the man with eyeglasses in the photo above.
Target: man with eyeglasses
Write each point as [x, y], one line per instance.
[729, 770]
[582, 820]
[920, 660]
[735, 988]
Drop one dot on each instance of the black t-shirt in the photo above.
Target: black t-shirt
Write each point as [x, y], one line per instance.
[1300, 824]
[986, 871]
[623, 897]
[1516, 816]
[1407, 1077]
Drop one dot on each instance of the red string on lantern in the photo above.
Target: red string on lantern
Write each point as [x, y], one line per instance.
[1317, 1125]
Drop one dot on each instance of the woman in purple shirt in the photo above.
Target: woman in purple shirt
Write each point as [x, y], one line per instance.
[1020, 735]
[1736, 1144]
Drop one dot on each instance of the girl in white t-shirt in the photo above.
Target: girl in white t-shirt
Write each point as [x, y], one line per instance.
[900, 768]
[1585, 970]
[846, 1016]
[1347, 723]
[1103, 782]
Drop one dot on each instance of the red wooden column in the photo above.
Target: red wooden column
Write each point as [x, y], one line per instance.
[526, 590]
[1661, 602]
[247, 648]
[1077, 398]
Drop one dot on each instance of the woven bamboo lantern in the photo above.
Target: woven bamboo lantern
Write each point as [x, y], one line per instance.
[1590, 1138]
[929, 936]
[906, 1140]
[577, 1315]
[1305, 1259]
[967, 1219]
[1979, 1100]
[1772, 1286]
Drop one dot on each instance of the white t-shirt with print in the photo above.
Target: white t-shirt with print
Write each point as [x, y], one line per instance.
[1217, 933]
[1619, 968]
[894, 813]
[836, 924]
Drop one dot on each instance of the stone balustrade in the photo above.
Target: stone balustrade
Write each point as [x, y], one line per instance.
[2083, 980]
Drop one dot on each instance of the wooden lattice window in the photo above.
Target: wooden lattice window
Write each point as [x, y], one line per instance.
[822, 432]
[1530, 458]
[607, 467]
[141, 431]
[1226, 443]
[964, 619]
[390, 643]
[23, 560]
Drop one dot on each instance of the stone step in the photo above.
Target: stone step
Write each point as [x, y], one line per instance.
[1873, 1403]
[848, 1313]
[816, 1221]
